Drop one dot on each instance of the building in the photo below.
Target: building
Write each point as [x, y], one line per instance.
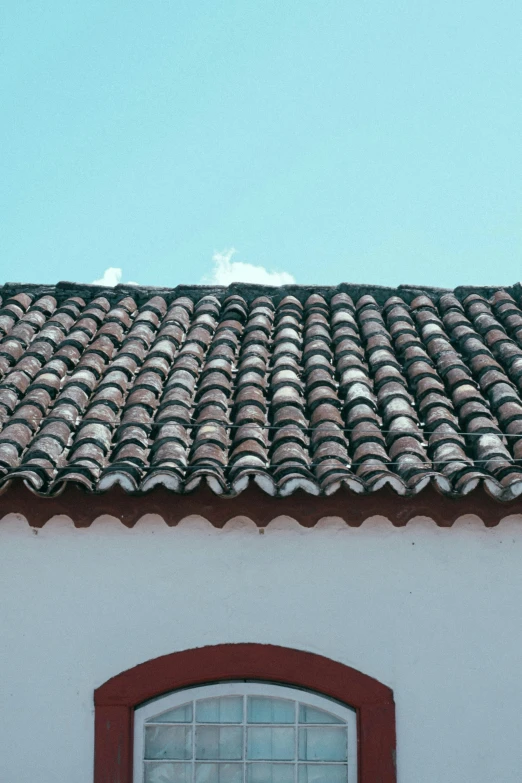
[260, 535]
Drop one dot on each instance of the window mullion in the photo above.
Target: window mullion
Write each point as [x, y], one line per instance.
[244, 739]
[193, 760]
[296, 742]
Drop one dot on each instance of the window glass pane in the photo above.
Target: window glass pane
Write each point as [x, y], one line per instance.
[270, 773]
[313, 715]
[219, 773]
[216, 742]
[262, 709]
[322, 773]
[322, 744]
[225, 709]
[166, 772]
[267, 743]
[168, 742]
[179, 715]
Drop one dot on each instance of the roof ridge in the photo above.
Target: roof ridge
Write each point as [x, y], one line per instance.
[249, 291]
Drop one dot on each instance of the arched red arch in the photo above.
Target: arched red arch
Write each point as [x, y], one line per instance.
[116, 699]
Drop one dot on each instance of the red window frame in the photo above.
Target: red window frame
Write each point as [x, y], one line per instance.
[116, 700]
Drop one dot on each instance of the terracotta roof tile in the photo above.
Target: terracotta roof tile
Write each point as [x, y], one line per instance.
[293, 388]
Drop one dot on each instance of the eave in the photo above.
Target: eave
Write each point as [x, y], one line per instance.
[84, 507]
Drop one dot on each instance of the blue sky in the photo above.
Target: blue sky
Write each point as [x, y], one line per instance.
[324, 140]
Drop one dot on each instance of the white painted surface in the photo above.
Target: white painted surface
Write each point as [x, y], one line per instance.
[436, 614]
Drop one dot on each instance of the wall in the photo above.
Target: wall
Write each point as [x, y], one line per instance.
[434, 613]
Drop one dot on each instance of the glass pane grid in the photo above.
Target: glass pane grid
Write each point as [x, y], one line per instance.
[234, 741]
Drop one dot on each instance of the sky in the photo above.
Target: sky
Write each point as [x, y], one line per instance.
[316, 141]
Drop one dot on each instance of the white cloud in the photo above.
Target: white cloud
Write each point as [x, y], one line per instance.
[226, 271]
[111, 277]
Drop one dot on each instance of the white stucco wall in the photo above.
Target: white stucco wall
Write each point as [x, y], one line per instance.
[436, 614]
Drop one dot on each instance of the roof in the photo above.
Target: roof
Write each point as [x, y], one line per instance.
[311, 388]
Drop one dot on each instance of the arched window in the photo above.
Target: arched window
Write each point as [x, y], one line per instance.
[245, 732]
[245, 712]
